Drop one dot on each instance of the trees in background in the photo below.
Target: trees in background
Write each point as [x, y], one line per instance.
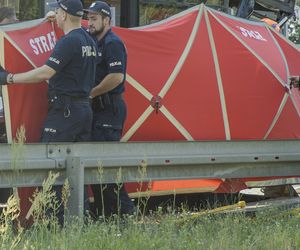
[294, 26]
[31, 9]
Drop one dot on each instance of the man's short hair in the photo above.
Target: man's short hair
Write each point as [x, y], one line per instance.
[6, 12]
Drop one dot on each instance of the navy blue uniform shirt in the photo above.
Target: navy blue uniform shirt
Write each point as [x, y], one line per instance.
[74, 60]
[112, 59]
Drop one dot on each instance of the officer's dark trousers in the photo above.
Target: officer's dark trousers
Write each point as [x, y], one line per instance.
[108, 124]
[4, 192]
[67, 123]
[4, 195]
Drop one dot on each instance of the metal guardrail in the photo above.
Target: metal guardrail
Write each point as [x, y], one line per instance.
[29, 164]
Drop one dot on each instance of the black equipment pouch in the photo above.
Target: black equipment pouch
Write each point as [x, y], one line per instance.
[106, 102]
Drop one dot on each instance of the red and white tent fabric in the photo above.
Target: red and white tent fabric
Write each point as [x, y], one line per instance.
[25, 46]
[205, 75]
[199, 75]
[214, 76]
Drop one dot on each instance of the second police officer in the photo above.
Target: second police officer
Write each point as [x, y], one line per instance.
[109, 108]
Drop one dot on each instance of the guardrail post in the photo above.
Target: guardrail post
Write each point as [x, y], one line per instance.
[75, 175]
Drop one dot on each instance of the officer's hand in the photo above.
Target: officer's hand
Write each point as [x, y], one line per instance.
[3, 77]
[51, 16]
[93, 92]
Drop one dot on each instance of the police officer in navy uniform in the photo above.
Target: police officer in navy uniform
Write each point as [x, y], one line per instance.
[108, 104]
[71, 71]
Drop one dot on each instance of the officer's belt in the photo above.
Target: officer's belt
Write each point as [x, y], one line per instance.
[64, 99]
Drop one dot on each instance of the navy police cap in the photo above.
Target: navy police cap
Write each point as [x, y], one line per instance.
[99, 7]
[73, 7]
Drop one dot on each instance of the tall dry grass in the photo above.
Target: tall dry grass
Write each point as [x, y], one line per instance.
[272, 229]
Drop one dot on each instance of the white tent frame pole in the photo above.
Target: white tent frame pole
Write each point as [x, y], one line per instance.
[165, 88]
[140, 88]
[176, 123]
[137, 124]
[279, 111]
[281, 53]
[175, 73]
[285, 97]
[5, 88]
[7, 119]
[5, 96]
[272, 32]
[146, 113]
[2, 61]
[19, 50]
[295, 105]
[282, 37]
[184, 55]
[283, 83]
[219, 78]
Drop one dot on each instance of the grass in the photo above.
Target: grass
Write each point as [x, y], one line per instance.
[272, 229]
[209, 232]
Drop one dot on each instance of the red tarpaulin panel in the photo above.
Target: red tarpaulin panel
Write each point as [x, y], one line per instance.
[197, 70]
[26, 46]
[259, 39]
[247, 96]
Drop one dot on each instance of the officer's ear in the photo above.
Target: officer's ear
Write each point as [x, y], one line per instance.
[64, 15]
[106, 20]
